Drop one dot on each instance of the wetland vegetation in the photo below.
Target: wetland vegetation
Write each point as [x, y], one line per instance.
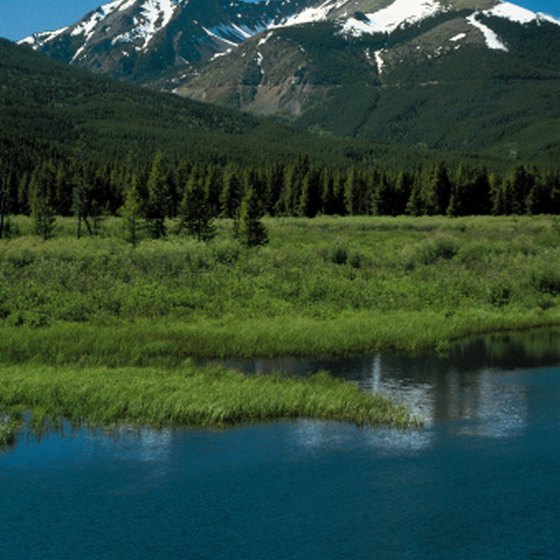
[99, 330]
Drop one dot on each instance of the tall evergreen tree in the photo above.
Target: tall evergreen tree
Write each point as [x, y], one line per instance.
[275, 187]
[289, 202]
[415, 203]
[23, 194]
[521, 184]
[232, 193]
[252, 232]
[356, 194]
[195, 215]
[437, 190]
[3, 202]
[385, 198]
[470, 194]
[157, 199]
[131, 212]
[310, 203]
[213, 187]
[42, 210]
[328, 199]
[84, 208]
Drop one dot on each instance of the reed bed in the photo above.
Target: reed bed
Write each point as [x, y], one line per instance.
[186, 396]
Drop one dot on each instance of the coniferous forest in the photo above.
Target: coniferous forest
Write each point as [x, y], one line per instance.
[198, 193]
[74, 144]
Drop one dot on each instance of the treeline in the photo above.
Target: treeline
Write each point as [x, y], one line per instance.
[161, 188]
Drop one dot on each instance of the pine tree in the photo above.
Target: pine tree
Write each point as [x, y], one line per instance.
[496, 198]
[414, 205]
[522, 182]
[252, 232]
[131, 213]
[232, 193]
[23, 194]
[213, 187]
[338, 192]
[328, 200]
[310, 202]
[470, 195]
[289, 202]
[385, 197]
[437, 190]
[195, 215]
[3, 206]
[351, 193]
[42, 210]
[275, 187]
[357, 193]
[84, 208]
[3, 201]
[157, 199]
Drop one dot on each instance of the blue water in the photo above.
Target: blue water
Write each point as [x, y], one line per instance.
[480, 481]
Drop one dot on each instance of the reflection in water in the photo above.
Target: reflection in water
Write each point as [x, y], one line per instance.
[150, 445]
[479, 481]
[462, 385]
[501, 409]
[316, 435]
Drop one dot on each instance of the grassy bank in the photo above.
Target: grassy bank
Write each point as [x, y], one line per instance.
[160, 344]
[98, 332]
[322, 286]
[185, 396]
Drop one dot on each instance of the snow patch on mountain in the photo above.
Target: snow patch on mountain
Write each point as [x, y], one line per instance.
[234, 34]
[379, 60]
[386, 20]
[265, 39]
[153, 16]
[218, 34]
[491, 38]
[310, 15]
[518, 14]
[458, 37]
[42, 38]
[87, 26]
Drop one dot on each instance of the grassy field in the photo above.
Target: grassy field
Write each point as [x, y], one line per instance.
[328, 286]
[322, 286]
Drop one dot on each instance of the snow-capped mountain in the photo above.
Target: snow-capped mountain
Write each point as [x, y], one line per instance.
[390, 69]
[139, 39]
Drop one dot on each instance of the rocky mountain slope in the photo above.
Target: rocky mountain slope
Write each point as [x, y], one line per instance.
[141, 39]
[440, 73]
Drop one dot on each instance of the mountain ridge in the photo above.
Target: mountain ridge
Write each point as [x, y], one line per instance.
[405, 71]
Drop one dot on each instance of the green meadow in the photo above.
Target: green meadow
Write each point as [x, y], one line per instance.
[326, 286]
[97, 312]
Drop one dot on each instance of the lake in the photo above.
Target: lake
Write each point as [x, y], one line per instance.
[480, 481]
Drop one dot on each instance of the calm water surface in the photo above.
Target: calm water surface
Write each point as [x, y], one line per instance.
[480, 481]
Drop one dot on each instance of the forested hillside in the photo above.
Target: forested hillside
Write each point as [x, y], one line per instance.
[72, 142]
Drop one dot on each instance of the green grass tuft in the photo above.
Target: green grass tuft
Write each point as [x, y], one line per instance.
[185, 396]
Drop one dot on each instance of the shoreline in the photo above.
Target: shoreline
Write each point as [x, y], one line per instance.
[170, 343]
[188, 396]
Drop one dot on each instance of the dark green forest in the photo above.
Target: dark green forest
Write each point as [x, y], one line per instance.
[72, 143]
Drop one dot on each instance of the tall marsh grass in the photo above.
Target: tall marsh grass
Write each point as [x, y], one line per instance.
[185, 396]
